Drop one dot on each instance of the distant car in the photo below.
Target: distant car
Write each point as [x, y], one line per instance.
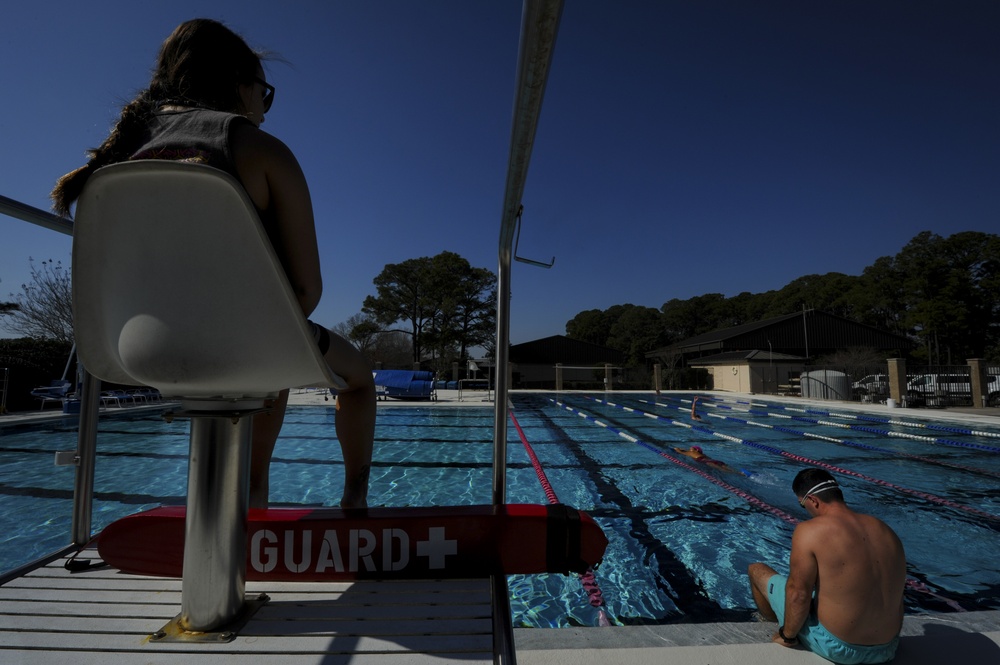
[944, 389]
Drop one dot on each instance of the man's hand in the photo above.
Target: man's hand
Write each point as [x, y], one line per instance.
[778, 639]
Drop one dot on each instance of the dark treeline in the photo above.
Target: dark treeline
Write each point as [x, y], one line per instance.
[943, 293]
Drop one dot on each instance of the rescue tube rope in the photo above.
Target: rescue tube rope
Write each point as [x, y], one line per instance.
[587, 580]
[852, 444]
[911, 582]
[830, 467]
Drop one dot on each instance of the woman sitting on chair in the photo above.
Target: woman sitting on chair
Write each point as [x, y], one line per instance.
[205, 103]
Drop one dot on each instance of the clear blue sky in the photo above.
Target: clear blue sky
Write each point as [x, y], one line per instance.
[685, 147]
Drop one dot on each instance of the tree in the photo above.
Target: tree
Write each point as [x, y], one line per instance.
[637, 330]
[950, 292]
[448, 304]
[44, 307]
[403, 296]
[385, 348]
[631, 329]
[473, 309]
[943, 292]
[589, 326]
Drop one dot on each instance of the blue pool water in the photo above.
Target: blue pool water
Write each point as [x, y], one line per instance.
[681, 534]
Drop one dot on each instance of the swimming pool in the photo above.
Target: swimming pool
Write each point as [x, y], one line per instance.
[681, 535]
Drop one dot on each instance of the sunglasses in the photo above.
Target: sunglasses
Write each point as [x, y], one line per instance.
[268, 93]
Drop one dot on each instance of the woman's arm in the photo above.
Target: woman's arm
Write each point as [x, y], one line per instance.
[275, 182]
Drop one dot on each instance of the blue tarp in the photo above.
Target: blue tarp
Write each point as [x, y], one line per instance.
[400, 378]
[405, 383]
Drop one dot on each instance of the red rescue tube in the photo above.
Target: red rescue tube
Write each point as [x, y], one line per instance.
[309, 545]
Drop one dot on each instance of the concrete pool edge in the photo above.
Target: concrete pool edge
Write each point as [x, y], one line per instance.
[926, 638]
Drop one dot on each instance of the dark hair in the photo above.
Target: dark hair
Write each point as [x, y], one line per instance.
[201, 64]
[807, 479]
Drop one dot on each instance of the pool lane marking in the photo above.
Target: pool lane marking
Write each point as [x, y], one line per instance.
[876, 419]
[852, 444]
[746, 496]
[911, 582]
[861, 428]
[671, 576]
[587, 580]
[800, 458]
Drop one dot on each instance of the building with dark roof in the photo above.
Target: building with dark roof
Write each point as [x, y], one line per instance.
[534, 363]
[807, 334]
[752, 371]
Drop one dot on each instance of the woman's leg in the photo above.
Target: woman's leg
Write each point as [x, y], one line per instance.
[266, 427]
[355, 418]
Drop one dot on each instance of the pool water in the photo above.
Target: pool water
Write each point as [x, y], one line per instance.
[680, 534]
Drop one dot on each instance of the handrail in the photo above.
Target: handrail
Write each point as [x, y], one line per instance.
[26, 213]
[86, 451]
[539, 24]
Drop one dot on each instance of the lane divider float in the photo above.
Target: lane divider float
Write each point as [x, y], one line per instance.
[845, 442]
[933, 498]
[588, 580]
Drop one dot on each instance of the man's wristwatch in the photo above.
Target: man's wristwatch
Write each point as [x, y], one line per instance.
[781, 634]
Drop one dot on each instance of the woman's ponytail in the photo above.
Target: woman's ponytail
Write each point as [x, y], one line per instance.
[125, 138]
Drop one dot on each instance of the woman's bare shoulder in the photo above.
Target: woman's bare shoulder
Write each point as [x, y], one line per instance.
[249, 142]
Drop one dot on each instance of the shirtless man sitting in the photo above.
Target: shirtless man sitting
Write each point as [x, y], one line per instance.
[843, 596]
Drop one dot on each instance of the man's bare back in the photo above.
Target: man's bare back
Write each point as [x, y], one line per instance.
[860, 574]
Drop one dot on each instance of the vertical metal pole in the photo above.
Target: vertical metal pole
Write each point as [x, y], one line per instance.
[503, 632]
[86, 450]
[215, 541]
[805, 331]
[539, 24]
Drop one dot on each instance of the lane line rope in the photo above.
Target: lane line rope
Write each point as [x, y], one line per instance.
[588, 580]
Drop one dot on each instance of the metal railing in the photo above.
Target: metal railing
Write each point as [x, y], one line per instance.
[539, 24]
[24, 212]
[83, 492]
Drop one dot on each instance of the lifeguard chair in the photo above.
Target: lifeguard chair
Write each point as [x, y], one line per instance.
[171, 271]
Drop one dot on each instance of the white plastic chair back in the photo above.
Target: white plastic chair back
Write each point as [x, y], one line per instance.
[176, 286]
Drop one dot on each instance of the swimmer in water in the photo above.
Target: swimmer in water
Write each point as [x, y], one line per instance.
[698, 455]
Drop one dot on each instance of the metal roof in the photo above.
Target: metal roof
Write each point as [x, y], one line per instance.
[564, 350]
[802, 333]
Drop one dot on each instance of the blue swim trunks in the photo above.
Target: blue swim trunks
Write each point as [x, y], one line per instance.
[815, 637]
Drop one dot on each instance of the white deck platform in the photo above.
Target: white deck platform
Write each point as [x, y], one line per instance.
[105, 617]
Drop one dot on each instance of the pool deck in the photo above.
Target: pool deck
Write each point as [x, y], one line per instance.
[970, 638]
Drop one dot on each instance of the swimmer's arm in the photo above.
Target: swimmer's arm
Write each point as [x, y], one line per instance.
[801, 582]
